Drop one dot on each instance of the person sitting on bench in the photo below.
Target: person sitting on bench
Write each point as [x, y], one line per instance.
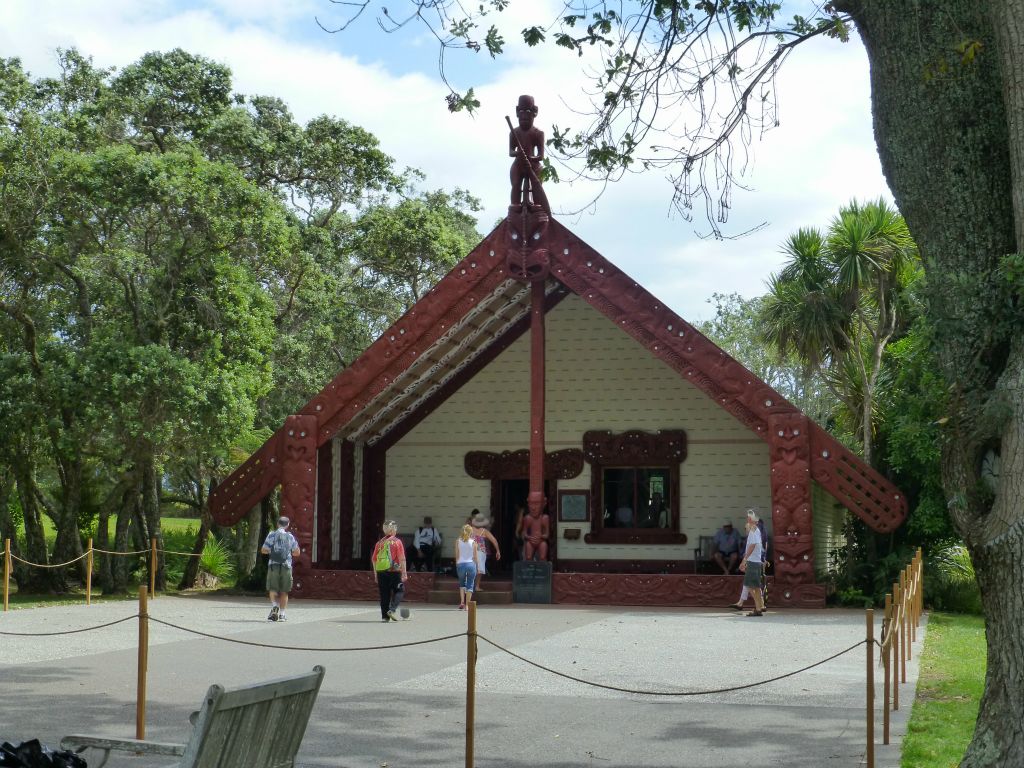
[424, 545]
[727, 547]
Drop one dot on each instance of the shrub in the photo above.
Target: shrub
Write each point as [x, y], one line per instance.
[217, 560]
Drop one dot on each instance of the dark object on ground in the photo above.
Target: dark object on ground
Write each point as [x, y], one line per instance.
[32, 754]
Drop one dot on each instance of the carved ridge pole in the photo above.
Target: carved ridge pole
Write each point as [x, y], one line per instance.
[535, 500]
[528, 260]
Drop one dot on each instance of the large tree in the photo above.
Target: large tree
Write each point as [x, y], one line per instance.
[838, 302]
[693, 80]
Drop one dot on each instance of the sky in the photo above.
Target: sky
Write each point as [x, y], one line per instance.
[820, 157]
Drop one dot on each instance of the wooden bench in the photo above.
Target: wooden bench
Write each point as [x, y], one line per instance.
[255, 726]
[704, 554]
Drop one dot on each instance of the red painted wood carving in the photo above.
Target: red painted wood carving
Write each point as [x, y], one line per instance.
[323, 584]
[791, 498]
[510, 465]
[298, 483]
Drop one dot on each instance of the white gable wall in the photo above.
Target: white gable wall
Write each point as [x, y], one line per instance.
[598, 377]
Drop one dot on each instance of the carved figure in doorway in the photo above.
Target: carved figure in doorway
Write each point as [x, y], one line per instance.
[526, 145]
[536, 532]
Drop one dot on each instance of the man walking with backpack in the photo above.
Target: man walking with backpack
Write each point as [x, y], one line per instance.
[281, 546]
[388, 563]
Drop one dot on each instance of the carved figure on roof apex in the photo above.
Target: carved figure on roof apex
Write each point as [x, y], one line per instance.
[526, 146]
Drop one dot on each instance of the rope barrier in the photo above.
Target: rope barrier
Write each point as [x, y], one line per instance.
[112, 552]
[670, 693]
[70, 631]
[303, 648]
[50, 565]
[105, 552]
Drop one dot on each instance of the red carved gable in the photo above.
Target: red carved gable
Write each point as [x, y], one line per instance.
[467, 311]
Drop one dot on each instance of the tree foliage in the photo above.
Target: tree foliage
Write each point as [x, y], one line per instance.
[180, 267]
[674, 86]
[838, 302]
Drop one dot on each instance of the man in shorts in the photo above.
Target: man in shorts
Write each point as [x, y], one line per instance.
[282, 547]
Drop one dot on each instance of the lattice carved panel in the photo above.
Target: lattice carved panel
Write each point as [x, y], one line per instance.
[248, 485]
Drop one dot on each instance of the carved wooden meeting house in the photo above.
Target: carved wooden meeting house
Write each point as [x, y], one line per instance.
[538, 374]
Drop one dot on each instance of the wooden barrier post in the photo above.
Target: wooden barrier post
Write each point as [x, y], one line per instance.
[886, 642]
[895, 645]
[143, 664]
[88, 574]
[920, 580]
[470, 679]
[903, 627]
[911, 599]
[152, 567]
[7, 572]
[869, 620]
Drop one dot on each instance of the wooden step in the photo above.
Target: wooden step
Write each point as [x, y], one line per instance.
[496, 591]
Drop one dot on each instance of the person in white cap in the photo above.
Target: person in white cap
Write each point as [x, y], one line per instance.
[752, 564]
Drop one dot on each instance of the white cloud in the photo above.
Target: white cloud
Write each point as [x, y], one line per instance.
[821, 155]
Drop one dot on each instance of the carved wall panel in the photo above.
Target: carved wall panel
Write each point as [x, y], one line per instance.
[668, 590]
[324, 584]
[324, 501]
[791, 498]
[298, 483]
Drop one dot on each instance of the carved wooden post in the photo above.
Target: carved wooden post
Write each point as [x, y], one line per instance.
[298, 483]
[535, 500]
[789, 438]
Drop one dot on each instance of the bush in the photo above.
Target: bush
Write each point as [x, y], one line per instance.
[950, 584]
[217, 561]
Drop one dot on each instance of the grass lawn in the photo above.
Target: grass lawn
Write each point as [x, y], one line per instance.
[169, 526]
[948, 691]
[179, 535]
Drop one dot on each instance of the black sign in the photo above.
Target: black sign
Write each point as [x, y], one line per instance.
[531, 581]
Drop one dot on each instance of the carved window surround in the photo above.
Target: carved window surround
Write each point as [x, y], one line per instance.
[665, 448]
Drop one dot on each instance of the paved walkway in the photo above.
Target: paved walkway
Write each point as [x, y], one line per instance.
[406, 707]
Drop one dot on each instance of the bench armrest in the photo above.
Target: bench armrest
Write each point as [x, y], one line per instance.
[80, 743]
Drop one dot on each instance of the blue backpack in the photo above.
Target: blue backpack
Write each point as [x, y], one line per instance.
[281, 548]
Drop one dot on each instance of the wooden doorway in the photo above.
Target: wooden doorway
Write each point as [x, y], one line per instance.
[511, 494]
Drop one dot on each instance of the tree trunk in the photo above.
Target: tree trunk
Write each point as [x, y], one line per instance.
[151, 510]
[121, 563]
[188, 578]
[943, 124]
[68, 544]
[30, 578]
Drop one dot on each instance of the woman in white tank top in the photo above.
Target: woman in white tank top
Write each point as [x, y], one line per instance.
[465, 564]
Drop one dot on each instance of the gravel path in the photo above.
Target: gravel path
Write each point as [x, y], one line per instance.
[406, 706]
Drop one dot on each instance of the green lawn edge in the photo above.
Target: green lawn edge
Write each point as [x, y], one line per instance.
[949, 688]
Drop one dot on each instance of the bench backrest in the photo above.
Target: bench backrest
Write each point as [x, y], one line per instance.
[256, 726]
[705, 547]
